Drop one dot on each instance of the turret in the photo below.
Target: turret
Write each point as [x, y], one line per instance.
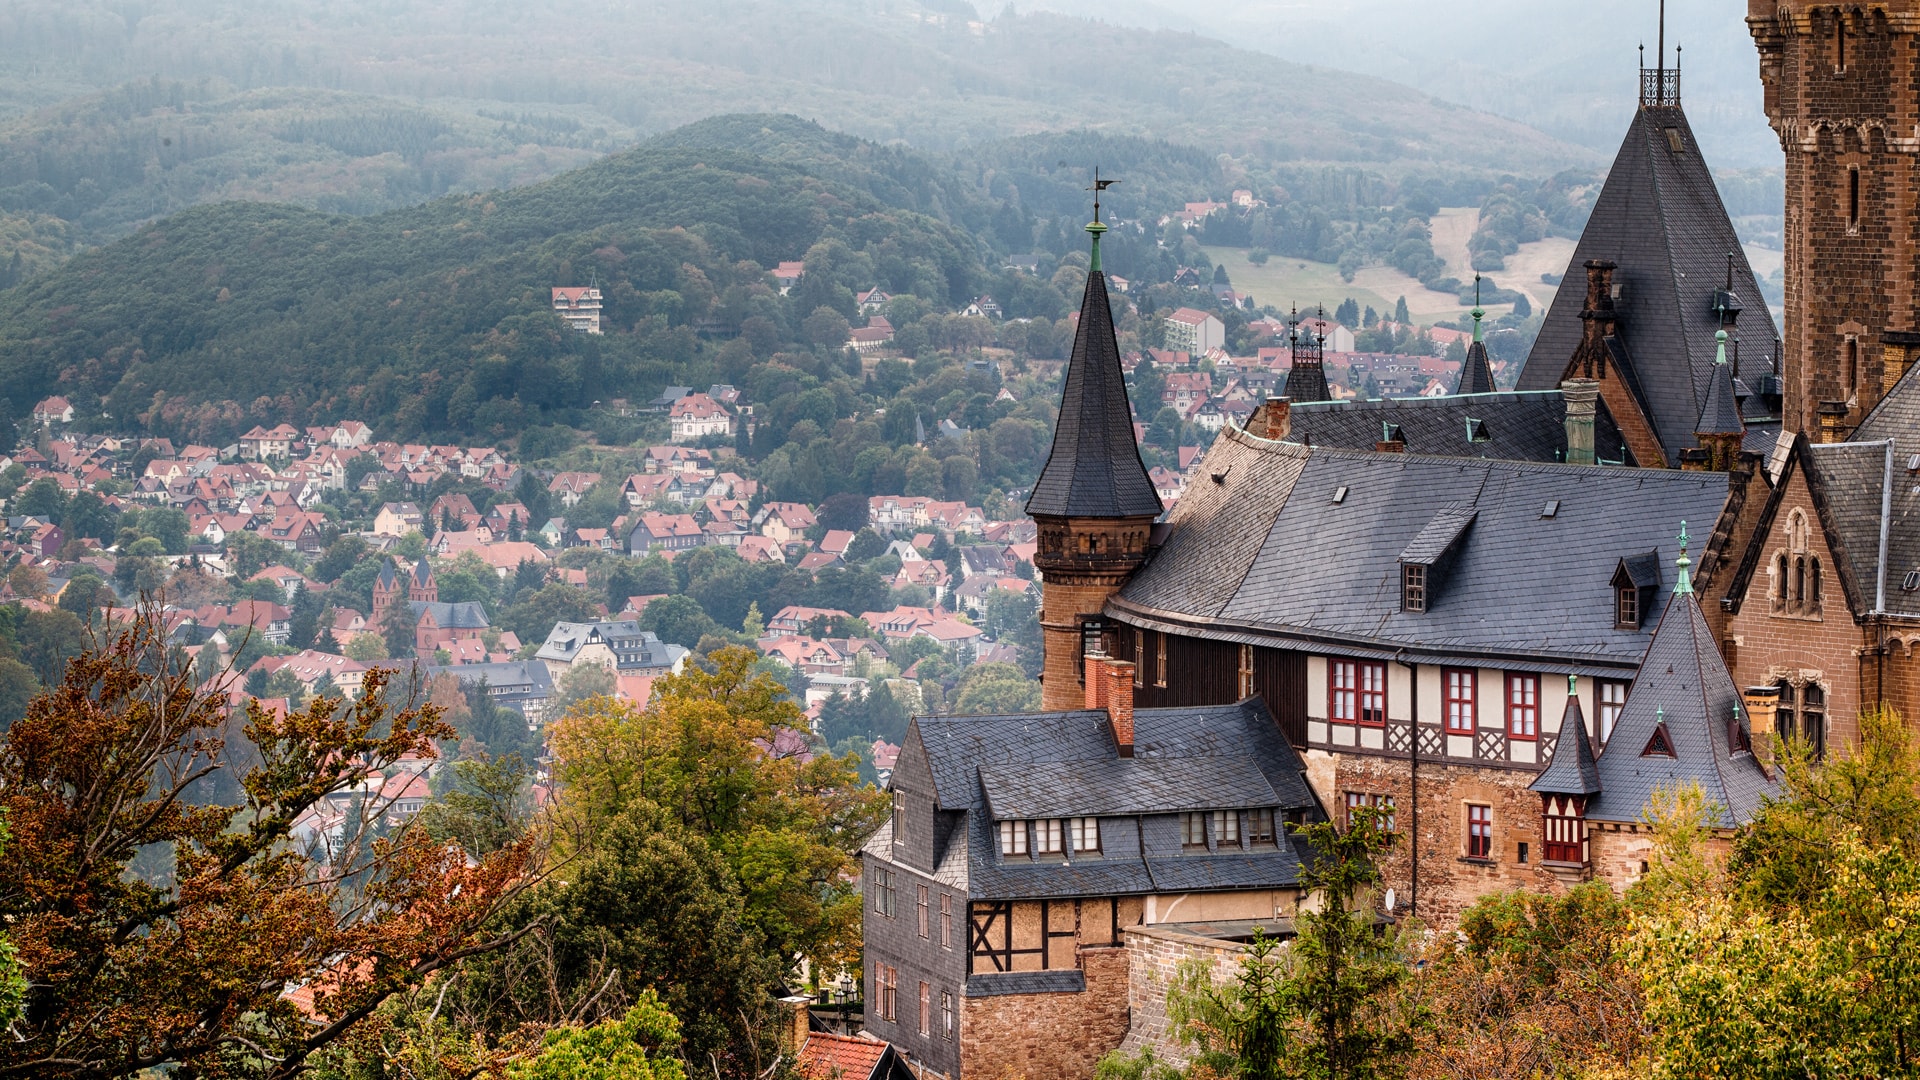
[1094, 504]
[1476, 375]
[1307, 377]
[1720, 430]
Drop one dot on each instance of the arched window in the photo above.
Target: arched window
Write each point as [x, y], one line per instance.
[1813, 585]
[1799, 598]
[1802, 716]
[1780, 583]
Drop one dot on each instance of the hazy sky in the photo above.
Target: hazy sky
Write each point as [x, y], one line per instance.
[1567, 68]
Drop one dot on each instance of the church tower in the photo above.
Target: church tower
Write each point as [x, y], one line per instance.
[1093, 504]
[1842, 91]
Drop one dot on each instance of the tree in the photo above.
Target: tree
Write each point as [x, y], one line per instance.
[826, 328]
[129, 974]
[18, 688]
[580, 683]
[43, 498]
[636, 1046]
[88, 515]
[1348, 313]
[367, 648]
[83, 595]
[399, 629]
[678, 619]
[1400, 312]
[533, 618]
[249, 553]
[342, 555]
[487, 807]
[29, 582]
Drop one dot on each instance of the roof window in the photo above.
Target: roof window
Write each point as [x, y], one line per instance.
[1339, 495]
[1477, 431]
[1551, 509]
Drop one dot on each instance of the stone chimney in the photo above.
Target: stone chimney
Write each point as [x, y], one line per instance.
[1597, 321]
[1391, 446]
[799, 1022]
[1762, 702]
[1899, 349]
[1119, 703]
[1096, 680]
[1582, 397]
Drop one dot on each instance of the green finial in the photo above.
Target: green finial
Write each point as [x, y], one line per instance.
[1685, 584]
[1478, 312]
[1095, 228]
[1720, 346]
[1573, 686]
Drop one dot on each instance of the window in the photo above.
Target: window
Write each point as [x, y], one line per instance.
[946, 920]
[1260, 826]
[1479, 832]
[1674, 142]
[1013, 838]
[1383, 819]
[899, 818]
[1341, 683]
[926, 1009]
[1803, 716]
[1160, 660]
[1627, 608]
[1373, 694]
[1226, 828]
[1458, 685]
[921, 910]
[1613, 698]
[1139, 658]
[1564, 829]
[1246, 671]
[1839, 44]
[1193, 830]
[1413, 587]
[883, 891]
[1852, 365]
[1047, 836]
[1523, 706]
[1523, 851]
[1085, 833]
[946, 1015]
[1853, 198]
[885, 982]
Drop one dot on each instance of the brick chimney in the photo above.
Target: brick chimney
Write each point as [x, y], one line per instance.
[1762, 703]
[1392, 446]
[1096, 680]
[1276, 419]
[1833, 421]
[1899, 348]
[799, 1023]
[1582, 397]
[1119, 703]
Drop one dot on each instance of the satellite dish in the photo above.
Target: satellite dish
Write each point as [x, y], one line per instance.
[1389, 900]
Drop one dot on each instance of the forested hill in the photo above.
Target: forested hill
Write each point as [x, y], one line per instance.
[435, 318]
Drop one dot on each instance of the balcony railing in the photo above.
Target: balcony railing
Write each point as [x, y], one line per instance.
[1660, 87]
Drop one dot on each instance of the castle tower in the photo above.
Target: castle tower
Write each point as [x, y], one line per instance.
[422, 588]
[1093, 503]
[1307, 375]
[1842, 91]
[386, 591]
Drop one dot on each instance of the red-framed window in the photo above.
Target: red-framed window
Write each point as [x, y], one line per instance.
[1343, 681]
[1458, 686]
[1564, 829]
[1479, 831]
[1373, 694]
[1523, 706]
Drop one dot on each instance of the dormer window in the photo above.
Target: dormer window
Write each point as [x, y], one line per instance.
[1260, 827]
[1085, 833]
[1413, 588]
[1013, 838]
[1048, 837]
[1193, 830]
[1635, 582]
[1627, 609]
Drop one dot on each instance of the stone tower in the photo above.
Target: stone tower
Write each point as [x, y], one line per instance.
[1842, 90]
[1093, 504]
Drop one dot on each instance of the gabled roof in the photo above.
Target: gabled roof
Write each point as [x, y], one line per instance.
[1685, 696]
[1094, 469]
[1660, 219]
[1530, 426]
[1476, 375]
[1266, 552]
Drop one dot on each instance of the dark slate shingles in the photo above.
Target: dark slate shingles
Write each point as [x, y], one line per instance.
[1095, 468]
[1476, 375]
[1573, 771]
[1529, 426]
[1056, 789]
[1660, 219]
[994, 984]
[1897, 419]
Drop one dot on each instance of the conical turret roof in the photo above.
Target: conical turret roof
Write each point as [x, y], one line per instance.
[1573, 771]
[1721, 414]
[1095, 469]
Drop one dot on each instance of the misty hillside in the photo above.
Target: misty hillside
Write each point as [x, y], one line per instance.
[878, 69]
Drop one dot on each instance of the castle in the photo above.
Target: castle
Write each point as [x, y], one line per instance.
[1688, 535]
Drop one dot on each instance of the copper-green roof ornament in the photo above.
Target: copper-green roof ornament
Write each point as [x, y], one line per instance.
[1478, 311]
[1720, 346]
[1095, 227]
[1685, 584]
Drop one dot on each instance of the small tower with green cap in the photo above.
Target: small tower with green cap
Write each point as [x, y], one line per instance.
[1476, 375]
[1720, 430]
[1683, 586]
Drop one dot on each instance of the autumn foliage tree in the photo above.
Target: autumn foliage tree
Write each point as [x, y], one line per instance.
[162, 928]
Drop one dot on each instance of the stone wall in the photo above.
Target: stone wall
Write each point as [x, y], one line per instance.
[1154, 958]
[1048, 1036]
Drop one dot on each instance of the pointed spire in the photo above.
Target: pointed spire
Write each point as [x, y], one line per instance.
[1683, 586]
[1094, 470]
[1478, 311]
[1573, 770]
[1476, 375]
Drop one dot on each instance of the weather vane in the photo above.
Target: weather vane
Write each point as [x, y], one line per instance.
[1099, 186]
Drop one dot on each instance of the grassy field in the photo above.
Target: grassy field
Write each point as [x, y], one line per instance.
[1285, 282]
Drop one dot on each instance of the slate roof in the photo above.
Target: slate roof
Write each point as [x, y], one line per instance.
[1307, 381]
[1573, 771]
[466, 615]
[1065, 764]
[1683, 686]
[632, 647]
[1094, 469]
[1476, 375]
[1897, 420]
[1529, 426]
[1660, 219]
[1721, 413]
[1267, 552]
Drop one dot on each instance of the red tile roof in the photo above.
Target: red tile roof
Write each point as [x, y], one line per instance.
[840, 1057]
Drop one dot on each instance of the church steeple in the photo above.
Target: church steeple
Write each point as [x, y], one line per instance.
[1476, 375]
[1093, 503]
[1307, 373]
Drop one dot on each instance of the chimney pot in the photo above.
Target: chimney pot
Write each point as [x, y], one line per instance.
[1762, 704]
[1279, 418]
[1582, 397]
[1119, 703]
